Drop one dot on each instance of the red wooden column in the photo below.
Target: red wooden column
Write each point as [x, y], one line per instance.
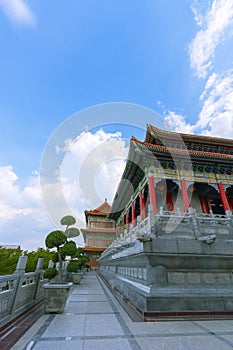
[170, 206]
[142, 205]
[231, 203]
[118, 229]
[223, 197]
[134, 219]
[185, 195]
[152, 193]
[204, 206]
[127, 219]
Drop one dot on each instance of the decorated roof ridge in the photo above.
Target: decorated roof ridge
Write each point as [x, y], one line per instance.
[178, 150]
[133, 138]
[104, 208]
[184, 135]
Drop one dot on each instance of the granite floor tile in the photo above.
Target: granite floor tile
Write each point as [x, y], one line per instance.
[60, 345]
[65, 326]
[216, 325]
[97, 297]
[99, 307]
[204, 343]
[76, 308]
[102, 325]
[96, 329]
[105, 318]
[183, 343]
[78, 297]
[106, 344]
[93, 320]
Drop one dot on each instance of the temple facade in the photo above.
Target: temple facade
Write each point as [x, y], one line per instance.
[99, 233]
[173, 255]
[174, 172]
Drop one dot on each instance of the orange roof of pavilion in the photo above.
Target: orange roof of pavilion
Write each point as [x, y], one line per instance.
[97, 230]
[103, 209]
[94, 249]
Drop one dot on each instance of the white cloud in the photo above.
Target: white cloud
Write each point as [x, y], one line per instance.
[18, 12]
[22, 217]
[92, 163]
[216, 115]
[177, 122]
[198, 11]
[92, 167]
[216, 25]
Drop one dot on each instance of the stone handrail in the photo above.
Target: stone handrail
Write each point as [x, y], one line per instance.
[172, 224]
[20, 291]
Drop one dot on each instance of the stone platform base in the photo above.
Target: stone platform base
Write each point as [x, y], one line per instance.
[138, 314]
[171, 279]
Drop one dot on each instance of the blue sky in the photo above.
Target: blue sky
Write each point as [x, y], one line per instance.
[174, 57]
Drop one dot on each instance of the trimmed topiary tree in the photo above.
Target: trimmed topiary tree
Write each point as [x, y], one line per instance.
[73, 266]
[50, 273]
[59, 240]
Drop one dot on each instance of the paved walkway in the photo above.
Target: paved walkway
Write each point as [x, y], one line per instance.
[93, 319]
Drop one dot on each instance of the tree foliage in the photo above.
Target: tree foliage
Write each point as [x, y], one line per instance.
[55, 239]
[50, 273]
[72, 232]
[10, 257]
[69, 249]
[8, 260]
[68, 220]
[74, 266]
[33, 257]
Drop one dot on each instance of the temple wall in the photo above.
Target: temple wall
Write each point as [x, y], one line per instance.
[187, 270]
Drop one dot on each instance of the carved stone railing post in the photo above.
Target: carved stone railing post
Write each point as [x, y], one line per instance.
[21, 265]
[51, 264]
[195, 223]
[130, 232]
[39, 276]
[151, 218]
[230, 216]
[20, 271]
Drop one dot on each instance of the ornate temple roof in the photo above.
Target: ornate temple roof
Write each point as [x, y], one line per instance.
[104, 208]
[153, 132]
[192, 153]
[164, 146]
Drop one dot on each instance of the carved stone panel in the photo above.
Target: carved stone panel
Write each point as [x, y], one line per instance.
[193, 277]
[176, 277]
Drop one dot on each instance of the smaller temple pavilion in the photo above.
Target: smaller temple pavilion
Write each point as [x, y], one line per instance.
[99, 233]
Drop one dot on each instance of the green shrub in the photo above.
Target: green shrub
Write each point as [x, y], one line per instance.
[73, 266]
[55, 239]
[50, 273]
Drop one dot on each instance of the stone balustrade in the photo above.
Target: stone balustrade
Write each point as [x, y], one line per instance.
[20, 291]
[173, 224]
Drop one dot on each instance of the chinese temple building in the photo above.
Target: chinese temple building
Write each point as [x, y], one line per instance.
[174, 172]
[99, 233]
[173, 211]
